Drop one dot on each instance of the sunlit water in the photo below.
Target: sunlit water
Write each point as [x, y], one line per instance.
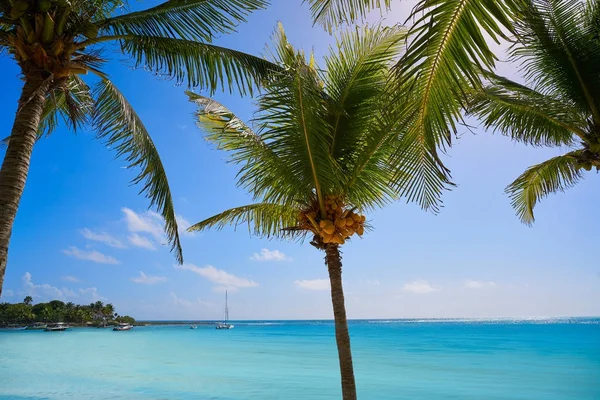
[557, 359]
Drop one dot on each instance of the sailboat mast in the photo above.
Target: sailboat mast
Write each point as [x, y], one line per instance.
[226, 308]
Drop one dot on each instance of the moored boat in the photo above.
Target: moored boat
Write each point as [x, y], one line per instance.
[15, 328]
[57, 327]
[37, 326]
[123, 327]
[193, 326]
[225, 324]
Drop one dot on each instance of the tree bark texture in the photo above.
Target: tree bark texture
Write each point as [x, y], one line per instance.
[15, 166]
[333, 260]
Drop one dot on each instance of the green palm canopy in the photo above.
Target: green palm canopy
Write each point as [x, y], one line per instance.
[558, 47]
[321, 152]
[447, 53]
[59, 45]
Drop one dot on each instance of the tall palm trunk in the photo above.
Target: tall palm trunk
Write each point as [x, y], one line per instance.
[16, 160]
[333, 260]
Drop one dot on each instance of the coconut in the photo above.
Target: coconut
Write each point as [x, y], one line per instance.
[340, 222]
[349, 222]
[360, 230]
[363, 219]
[356, 217]
[329, 229]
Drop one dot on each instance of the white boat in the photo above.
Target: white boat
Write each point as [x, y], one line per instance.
[123, 327]
[16, 328]
[193, 327]
[225, 324]
[57, 327]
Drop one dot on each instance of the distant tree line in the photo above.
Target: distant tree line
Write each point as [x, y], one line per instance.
[26, 312]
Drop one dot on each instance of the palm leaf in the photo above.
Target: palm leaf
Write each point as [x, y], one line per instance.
[356, 84]
[331, 13]
[556, 174]
[527, 115]
[70, 101]
[261, 169]
[357, 74]
[293, 119]
[556, 51]
[198, 64]
[196, 20]
[446, 53]
[117, 122]
[263, 219]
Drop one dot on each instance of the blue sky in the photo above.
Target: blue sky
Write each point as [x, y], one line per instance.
[83, 233]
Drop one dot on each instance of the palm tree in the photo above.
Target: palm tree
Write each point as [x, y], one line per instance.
[56, 43]
[27, 300]
[108, 310]
[446, 55]
[558, 45]
[321, 155]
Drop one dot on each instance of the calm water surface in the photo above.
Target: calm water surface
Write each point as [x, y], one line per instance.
[556, 359]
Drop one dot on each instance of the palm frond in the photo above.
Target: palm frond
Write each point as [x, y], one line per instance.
[447, 51]
[420, 176]
[198, 64]
[262, 169]
[263, 219]
[557, 53]
[527, 115]
[196, 20]
[357, 74]
[70, 101]
[556, 174]
[293, 119]
[117, 122]
[331, 13]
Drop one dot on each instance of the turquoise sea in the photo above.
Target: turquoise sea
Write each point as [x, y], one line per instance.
[539, 359]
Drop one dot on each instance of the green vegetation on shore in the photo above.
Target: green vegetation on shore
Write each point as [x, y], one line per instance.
[97, 313]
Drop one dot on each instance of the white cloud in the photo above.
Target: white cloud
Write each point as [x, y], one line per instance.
[141, 241]
[148, 279]
[196, 303]
[223, 289]
[43, 290]
[313, 284]
[222, 278]
[93, 255]
[7, 293]
[69, 278]
[419, 287]
[102, 237]
[48, 292]
[148, 222]
[183, 224]
[68, 292]
[152, 223]
[470, 284]
[90, 295]
[270, 255]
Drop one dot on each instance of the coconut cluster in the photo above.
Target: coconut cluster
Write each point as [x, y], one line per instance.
[337, 226]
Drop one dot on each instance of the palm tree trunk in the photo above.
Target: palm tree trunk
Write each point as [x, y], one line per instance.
[15, 166]
[333, 260]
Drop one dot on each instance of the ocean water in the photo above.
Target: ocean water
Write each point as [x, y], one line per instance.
[555, 359]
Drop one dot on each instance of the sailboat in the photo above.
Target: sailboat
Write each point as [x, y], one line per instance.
[225, 324]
